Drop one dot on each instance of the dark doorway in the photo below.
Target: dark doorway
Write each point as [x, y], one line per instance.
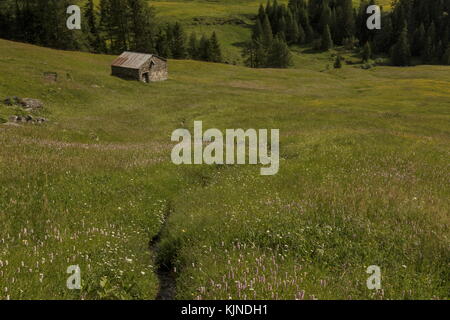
[145, 77]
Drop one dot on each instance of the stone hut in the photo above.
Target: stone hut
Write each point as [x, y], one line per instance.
[140, 66]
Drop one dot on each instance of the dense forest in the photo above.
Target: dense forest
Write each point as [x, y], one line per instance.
[111, 27]
[414, 31]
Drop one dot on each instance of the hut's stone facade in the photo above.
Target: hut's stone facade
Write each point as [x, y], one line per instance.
[140, 66]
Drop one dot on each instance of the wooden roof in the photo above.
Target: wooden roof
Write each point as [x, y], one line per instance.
[133, 60]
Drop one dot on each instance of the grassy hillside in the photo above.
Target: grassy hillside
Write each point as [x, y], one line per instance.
[363, 181]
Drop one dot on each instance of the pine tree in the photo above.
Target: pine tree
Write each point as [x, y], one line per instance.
[267, 36]
[204, 49]
[279, 54]
[292, 32]
[325, 18]
[338, 63]
[446, 57]
[327, 42]
[141, 27]
[401, 53]
[261, 13]
[428, 50]
[193, 46]
[178, 47]
[162, 45]
[346, 20]
[215, 51]
[94, 39]
[301, 34]
[257, 31]
[366, 52]
[255, 56]
[419, 40]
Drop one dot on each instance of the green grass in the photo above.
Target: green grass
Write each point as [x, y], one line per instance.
[363, 181]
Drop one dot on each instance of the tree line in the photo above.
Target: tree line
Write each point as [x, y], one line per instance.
[413, 31]
[111, 27]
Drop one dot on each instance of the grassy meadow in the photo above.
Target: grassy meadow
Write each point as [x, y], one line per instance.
[363, 180]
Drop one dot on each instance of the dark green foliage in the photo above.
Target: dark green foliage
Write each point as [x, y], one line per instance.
[178, 43]
[96, 43]
[193, 46]
[305, 22]
[366, 53]
[215, 52]
[279, 55]
[401, 53]
[327, 42]
[338, 62]
[204, 49]
[446, 57]
[267, 35]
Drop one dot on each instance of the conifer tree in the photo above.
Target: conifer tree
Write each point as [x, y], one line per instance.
[267, 36]
[292, 32]
[366, 52]
[338, 63]
[301, 34]
[193, 46]
[215, 51]
[178, 47]
[327, 42]
[279, 54]
[446, 57]
[204, 49]
[428, 50]
[94, 38]
[401, 53]
[257, 31]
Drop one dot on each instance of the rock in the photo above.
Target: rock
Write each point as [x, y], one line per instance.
[51, 76]
[9, 101]
[40, 120]
[31, 103]
[27, 118]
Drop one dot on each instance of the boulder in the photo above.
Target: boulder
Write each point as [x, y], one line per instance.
[30, 103]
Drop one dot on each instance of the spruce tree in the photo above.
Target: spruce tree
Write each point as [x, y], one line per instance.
[257, 31]
[428, 50]
[338, 63]
[325, 18]
[446, 57]
[401, 53]
[94, 38]
[301, 34]
[193, 46]
[178, 47]
[292, 32]
[215, 51]
[366, 52]
[279, 54]
[267, 36]
[204, 49]
[327, 42]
